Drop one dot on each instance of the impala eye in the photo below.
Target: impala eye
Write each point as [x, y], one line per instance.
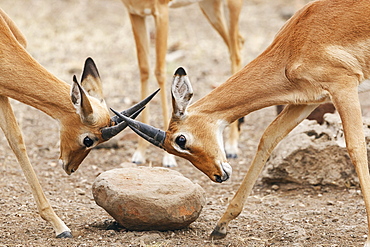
[181, 141]
[88, 142]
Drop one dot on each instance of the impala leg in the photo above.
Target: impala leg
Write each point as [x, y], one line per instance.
[236, 39]
[236, 42]
[287, 120]
[13, 134]
[348, 106]
[142, 51]
[231, 143]
[214, 12]
[161, 23]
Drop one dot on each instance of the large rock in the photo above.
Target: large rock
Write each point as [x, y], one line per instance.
[144, 198]
[314, 154]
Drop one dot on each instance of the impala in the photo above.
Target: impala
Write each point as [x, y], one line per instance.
[80, 110]
[214, 11]
[321, 54]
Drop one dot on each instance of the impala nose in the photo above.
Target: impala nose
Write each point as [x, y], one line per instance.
[226, 173]
[218, 179]
[65, 167]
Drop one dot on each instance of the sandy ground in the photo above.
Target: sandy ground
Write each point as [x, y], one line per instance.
[61, 34]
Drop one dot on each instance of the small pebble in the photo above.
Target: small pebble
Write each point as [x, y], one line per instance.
[275, 187]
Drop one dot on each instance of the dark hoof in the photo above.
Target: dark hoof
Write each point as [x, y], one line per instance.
[216, 234]
[231, 156]
[65, 234]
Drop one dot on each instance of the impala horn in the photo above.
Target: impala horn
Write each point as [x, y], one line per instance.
[149, 133]
[120, 125]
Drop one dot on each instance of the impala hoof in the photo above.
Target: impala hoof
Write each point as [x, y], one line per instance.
[65, 234]
[218, 233]
[231, 156]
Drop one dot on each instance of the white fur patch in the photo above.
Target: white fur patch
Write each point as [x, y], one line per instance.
[220, 138]
[147, 11]
[139, 11]
[226, 171]
[364, 86]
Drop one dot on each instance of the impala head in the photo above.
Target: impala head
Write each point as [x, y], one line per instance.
[191, 135]
[92, 124]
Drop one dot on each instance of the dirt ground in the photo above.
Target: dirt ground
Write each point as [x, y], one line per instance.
[61, 34]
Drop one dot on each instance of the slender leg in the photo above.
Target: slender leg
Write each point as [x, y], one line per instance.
[348, 106]
[288, 119]
[236, 40]
[161, 23]
[214, 12]
[13, 134]
[231, 143]
[142, 50]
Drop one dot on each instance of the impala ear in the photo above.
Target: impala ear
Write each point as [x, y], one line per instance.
[182, 92]
[81, 102]
[90, 80]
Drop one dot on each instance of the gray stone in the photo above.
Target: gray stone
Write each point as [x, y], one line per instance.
[146, 198]
[314, 154]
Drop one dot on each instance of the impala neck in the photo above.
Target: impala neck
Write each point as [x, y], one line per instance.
[23, 79]
[257, 85]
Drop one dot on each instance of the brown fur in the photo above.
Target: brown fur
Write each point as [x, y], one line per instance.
[24, 79]
[159, 9]
[321, 54]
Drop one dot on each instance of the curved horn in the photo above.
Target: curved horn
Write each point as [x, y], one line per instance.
[129, 112]
[109, 132]
[132, 112]
[149, 133]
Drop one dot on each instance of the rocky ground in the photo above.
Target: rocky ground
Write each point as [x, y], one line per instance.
[61, 34]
